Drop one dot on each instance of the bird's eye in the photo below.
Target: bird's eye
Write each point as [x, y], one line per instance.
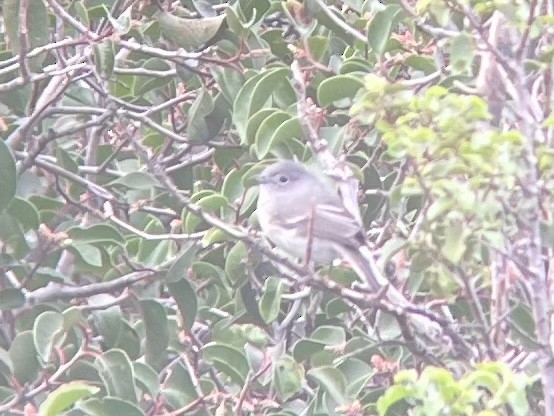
[283, 179]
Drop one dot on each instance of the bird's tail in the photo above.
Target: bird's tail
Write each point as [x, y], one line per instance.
[363, 263]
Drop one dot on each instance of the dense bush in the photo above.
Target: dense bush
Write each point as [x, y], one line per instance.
[133, 276]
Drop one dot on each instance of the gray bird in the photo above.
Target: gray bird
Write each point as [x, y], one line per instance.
[298, 209]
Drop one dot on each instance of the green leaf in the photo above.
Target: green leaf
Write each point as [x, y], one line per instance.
[461, 50]
[37, 27]
[104, 57]
[228, 360]
[180, 267]
[156, 332]
[122, 24]
[12, 236]
[24, 212]
[288, 377]
[209, 203]
[146, 83]
[89, 254]
[393, 395]
[154, 252]
[24, 358]
[114, 330]
[332, 381]
[65, 396]
[199, 129]
[137, 180]
[116, 372]
[229, 80]
[334, 89]
[185, 297]
[189, 33]
[380, 27]
[109, 406]
[253, 124]
[270, 302]
[147, 378]
[329, 335]
[454, 245]
[179, 389]
[8, 174]
[255, 93]
[266, 131]
[11, 298]
[95, 234]
[47, 333]
[289, 129]
[235, 264]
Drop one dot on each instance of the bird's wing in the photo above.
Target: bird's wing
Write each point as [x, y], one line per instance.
[330, 223]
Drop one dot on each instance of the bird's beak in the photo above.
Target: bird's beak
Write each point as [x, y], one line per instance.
[260, 179]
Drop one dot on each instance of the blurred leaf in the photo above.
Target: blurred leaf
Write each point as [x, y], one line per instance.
[11, 298]
[266, 131]
[270, 302]
[65, 396]
[198, 129]
[146, 378]
[47, 333]
[24, 358]
[37, 27]
[110, 406]
[156, 332]
[254, 94]
[393, 395]
[337, 88]
[137, 180]
[185, 297]
[288, 377]
[229, 80]
[88, 253]
[122, 24]
[179, 389]
[331, 381]
[180, 267]
[24, 212]
[454, 245]
[114, 330]
[189, 33]
[235, 264]
[461, 50]
[8, 177]
[116, 371]
[228, 360]
[95, 234]
[104, 57]
[380, 27]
